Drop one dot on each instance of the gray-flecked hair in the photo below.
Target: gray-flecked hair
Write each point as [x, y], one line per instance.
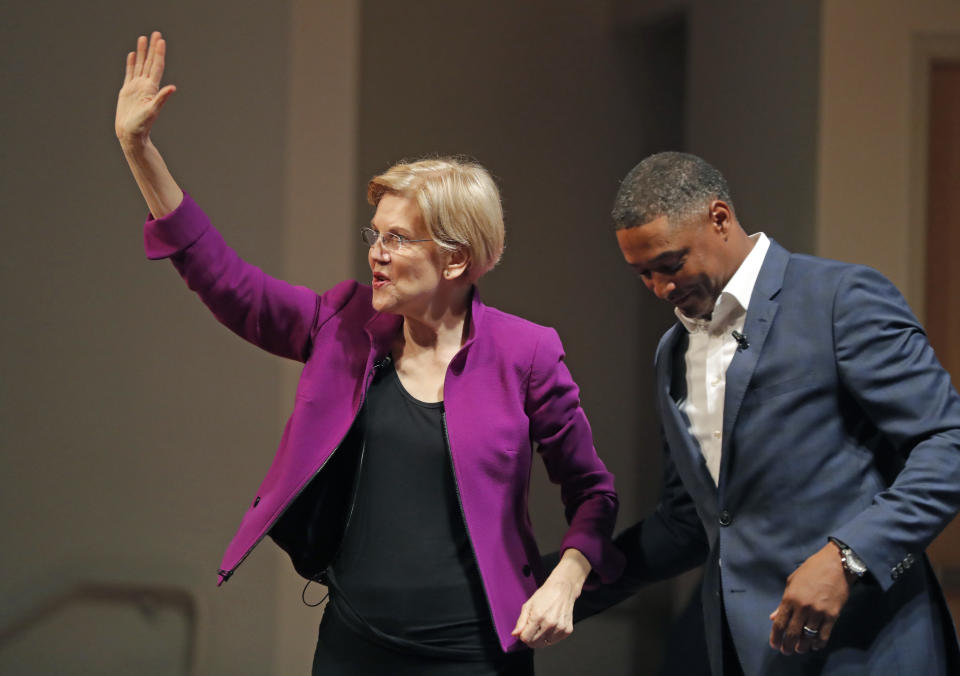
[668, 184]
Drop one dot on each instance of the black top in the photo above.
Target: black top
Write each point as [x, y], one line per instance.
[406, 565]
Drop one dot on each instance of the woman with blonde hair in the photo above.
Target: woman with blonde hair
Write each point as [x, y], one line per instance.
[401, 479]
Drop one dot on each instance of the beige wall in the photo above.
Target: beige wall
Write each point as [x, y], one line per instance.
[751, 109]
[319, 191]
[871, 160]
[134, 428]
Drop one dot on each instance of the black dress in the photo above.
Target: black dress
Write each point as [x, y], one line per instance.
[405, 594]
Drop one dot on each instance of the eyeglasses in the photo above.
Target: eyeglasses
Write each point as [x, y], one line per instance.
[388, 240]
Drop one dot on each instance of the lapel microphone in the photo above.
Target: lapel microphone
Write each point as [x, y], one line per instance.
[741, 339]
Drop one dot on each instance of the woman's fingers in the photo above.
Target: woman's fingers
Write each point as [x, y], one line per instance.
[152, 49]
[540, 627]
[141, 56]
[159, 53]
[522, 620]
[162, 96]
[141, 98]
[128, 74]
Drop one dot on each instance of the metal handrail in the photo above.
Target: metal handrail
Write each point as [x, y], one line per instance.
[146, 597]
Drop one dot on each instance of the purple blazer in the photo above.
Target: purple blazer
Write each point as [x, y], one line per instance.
[505, 390]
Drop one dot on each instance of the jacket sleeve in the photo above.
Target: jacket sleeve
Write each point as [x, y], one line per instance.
[886, 363]
[669, 541]
[560, 428]
[270, 313]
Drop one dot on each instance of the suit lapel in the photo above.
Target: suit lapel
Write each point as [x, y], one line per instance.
[760, 317]
[673, 390]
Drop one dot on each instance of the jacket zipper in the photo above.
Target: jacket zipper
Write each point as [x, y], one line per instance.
[463, 517]
[353, 503]
[227, 574]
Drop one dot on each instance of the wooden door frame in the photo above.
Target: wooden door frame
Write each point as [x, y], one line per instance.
[927, 48]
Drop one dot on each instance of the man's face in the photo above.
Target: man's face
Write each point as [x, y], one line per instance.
[682, 264]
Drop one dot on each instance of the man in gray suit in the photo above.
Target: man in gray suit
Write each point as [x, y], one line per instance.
[812, 443]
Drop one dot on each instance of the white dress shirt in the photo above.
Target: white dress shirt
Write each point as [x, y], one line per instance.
[710, 351]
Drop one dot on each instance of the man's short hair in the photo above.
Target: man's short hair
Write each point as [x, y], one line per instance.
[669, 184]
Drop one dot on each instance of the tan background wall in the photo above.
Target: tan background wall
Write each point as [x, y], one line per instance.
[134, 429]
[871, 162]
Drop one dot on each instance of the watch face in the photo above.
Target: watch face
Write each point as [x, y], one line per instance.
[852, 563]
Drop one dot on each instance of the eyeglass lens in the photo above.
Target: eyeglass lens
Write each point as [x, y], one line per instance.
[388, 240]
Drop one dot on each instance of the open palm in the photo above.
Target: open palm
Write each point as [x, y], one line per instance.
[141, 97]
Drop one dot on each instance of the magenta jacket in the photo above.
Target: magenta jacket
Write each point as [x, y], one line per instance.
[506, 392]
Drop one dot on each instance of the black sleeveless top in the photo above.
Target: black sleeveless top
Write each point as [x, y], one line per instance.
[406, 565]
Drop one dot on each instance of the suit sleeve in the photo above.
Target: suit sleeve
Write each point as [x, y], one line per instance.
[559, 425]
[270, 313]
[669, 541]
[886, 363]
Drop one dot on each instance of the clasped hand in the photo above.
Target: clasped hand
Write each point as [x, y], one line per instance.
[814, 596]
[547, 616]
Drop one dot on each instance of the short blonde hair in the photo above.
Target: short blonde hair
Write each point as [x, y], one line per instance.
[459, 203]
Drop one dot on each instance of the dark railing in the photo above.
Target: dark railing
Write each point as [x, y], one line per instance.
[148, 598]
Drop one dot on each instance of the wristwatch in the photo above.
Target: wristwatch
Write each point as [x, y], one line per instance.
[851, 562]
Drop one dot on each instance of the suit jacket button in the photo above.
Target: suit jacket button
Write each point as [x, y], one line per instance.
[526, 570]
[257, 501]
[726, 518]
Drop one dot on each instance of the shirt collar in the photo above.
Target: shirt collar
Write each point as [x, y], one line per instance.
[735, 297]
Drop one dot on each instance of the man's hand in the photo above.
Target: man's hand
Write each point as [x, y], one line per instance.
[815, 594]
[547, 616]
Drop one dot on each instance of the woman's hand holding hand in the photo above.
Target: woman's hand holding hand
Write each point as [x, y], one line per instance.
[547, 616]
[141, 97]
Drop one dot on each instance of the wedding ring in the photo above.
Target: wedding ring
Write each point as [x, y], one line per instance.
[812, 633]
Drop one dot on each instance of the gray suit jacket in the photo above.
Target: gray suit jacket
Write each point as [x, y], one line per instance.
[838, 421]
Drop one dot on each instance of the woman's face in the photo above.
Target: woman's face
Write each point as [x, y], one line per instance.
[405, 281]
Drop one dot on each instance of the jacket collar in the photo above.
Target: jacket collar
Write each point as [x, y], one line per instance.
[760, 316]
[382, 327]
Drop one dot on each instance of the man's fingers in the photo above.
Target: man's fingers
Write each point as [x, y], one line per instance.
[826, 628]
[791, 634]
[780, 618]
[807, 638]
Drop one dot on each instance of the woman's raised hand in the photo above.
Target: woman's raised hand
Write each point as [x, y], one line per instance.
[141, 97]
[138, 105]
